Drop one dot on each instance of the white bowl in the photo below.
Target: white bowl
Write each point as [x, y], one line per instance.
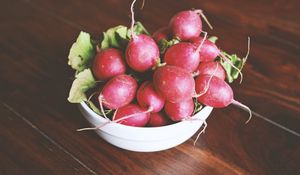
[145, 139]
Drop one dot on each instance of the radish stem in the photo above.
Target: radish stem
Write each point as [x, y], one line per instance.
[232, 65]
[195, 74]
[132, 20]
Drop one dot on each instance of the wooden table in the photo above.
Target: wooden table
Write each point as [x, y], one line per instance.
[38, 126]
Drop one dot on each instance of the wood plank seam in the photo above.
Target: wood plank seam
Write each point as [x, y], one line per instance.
[23, 118]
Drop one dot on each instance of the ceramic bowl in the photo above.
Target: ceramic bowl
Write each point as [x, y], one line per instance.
[145, 139]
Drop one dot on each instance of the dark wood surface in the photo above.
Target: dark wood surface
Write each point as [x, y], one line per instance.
[38, 126]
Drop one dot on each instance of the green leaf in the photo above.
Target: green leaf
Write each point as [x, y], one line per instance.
[93, 107]
[198, 106]
[164, 44]
[213, 39]
[81, 52]
[231, 73]
[138, 28]
[110, 37]
[83, 82]
[119, 36]
[107, 112]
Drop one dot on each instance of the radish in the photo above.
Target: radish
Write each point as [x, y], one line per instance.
[209, 51]
[118, 91]
[158, 119]
[131, 115]
[216, 93]
[183, 55]
[181, 110]
[148, 98]
[173, 83]
[162, 33]
[187, 24]
[211, 68]
[108, 63]
[142, 53]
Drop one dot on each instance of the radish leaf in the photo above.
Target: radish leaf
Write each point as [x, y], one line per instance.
[198, 106]
[83, 82]
[110, 37]
[231, 72]
[93, 107]
[213, 39]
[138, 28]
[119, 36]
[164, 44]
[81, 52]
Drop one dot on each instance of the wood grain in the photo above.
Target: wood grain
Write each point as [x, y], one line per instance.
[24, 148]
[34, 43]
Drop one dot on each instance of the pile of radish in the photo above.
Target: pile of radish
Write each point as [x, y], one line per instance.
[137, 79]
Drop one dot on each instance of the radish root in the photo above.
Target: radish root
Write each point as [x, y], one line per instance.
[202, 42]
[208, 83]
[91, 96]
[94, 128]
[115, 113]
[101, 106]
[143, 4]
[248, 50]
[241, 105]
[100, 126]
[200, 12]
[150, 109]
[200, 132]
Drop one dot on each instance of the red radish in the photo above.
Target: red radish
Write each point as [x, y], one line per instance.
[148, 98]
[181, 110]
[108, 63]
[174, 83]
[118, 91]
[162, 33]
[142, 53]
[208, 51]
[211, 68]
[131, 115]
[183, 55]
[158, 119]
[186, 25]
[216, 93]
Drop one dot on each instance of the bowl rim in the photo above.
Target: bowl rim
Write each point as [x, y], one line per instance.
[195, 117]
